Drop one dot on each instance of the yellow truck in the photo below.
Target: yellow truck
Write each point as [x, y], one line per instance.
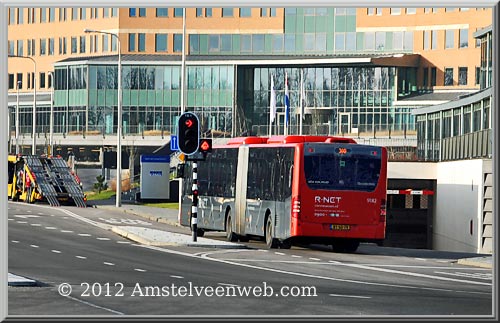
[39, 178]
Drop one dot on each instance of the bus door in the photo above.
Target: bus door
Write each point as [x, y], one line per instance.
[283, 178]
[238, 214]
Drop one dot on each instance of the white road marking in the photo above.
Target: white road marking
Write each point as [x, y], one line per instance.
[96, 306]
[26, 216]
[40, 213]
[174, 276]
[103, 239]
[262, 250]
[310, 275]
[124, 242]
[84, 235]
[36, 224]
[11, 219]
[14, 241]
[50, 228]
[225, 284]
[81, 257]
[295, 256]
[67, 231]
[22, 222]
[34, 246]
[315, 259]
[468, 275]
[422, 259]
[353, 296]
[141, 270]
[279, 253]
[109, 263]
[55, 251]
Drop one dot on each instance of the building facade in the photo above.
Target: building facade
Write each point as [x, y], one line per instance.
[363, 70]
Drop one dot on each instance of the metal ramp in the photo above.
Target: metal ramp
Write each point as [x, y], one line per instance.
[42, 179]
[61, 174]
[54, 180]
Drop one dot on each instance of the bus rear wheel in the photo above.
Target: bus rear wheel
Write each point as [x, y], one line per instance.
[272, 243]
[230, 235]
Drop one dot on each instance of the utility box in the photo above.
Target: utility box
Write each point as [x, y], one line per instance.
[155, 177]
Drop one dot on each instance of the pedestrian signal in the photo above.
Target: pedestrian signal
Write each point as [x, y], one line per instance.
[188, 133]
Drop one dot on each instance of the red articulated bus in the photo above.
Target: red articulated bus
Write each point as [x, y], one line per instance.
[291, 189]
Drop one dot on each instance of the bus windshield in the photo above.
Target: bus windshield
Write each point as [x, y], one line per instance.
[342, 167]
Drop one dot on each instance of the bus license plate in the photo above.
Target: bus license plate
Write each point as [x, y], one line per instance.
[340, 227]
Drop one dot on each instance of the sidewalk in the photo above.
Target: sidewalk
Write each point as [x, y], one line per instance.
[154, 237]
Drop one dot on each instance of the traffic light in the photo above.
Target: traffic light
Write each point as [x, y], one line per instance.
[189, 133]
[205, 145]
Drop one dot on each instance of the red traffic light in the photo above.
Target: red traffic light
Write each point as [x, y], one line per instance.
[188, 133]
[189, 123]
[205, 145]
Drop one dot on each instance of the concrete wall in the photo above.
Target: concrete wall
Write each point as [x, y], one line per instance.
[457, 200]
[458, 206]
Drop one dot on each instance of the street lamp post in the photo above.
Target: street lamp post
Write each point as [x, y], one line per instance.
[51, 127]
[17, 118]
[33, 148]
[119, 126]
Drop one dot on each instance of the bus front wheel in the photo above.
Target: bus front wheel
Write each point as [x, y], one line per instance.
[272, 243]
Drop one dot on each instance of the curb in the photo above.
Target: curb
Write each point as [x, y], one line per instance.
[472, 262]
[134, 237]
[143, 215]
[20, 281]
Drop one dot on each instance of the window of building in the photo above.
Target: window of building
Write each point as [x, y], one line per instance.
[246, 43]
[132, 12]
[463, 39]
[370, 11]
[199, 12]
[83, 13]
[378, 11]
[51, 46]
[20, 49]
[449, 9]
[160, 42]
[41, 77]
[19, 82]
[369, 40]
[433, 76]
[62, 14]
[339, 41]
[273, 12]
[74, 45]
[258, 43]
[213, 43]
[114, 12]
[131, 42]
[11, 81]
[408, 40]
[449, 38]
[52, 14]
[278, 45]
[245, 12]
[177, 43]
[395, 11]
[427, 10]
[142, 12]
[427, 39]
[74, 13]
[141, 42]
[43, 46]
[227, 12]
[411, 11]
[380, 40]
[462, 76]
[162, 12]
[464, 9]
[434, 38]
[12, 47]
[43, 15]
[178, 12]
[208, 12]
[397, 40]
[478, 73]
[82, 44]
[105, 43]
[426, 77]
[105, 13]
[264, 12]
[448, 76]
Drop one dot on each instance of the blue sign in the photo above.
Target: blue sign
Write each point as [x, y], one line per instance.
[155, 173]
[174, 143]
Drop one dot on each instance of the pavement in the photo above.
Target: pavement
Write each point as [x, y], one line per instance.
[155, 237]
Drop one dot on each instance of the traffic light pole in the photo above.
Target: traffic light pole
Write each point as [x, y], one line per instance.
[194, 208]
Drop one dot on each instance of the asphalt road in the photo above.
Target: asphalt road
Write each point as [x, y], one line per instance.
[109, 275]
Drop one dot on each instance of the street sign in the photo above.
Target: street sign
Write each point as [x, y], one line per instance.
[174, 143]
